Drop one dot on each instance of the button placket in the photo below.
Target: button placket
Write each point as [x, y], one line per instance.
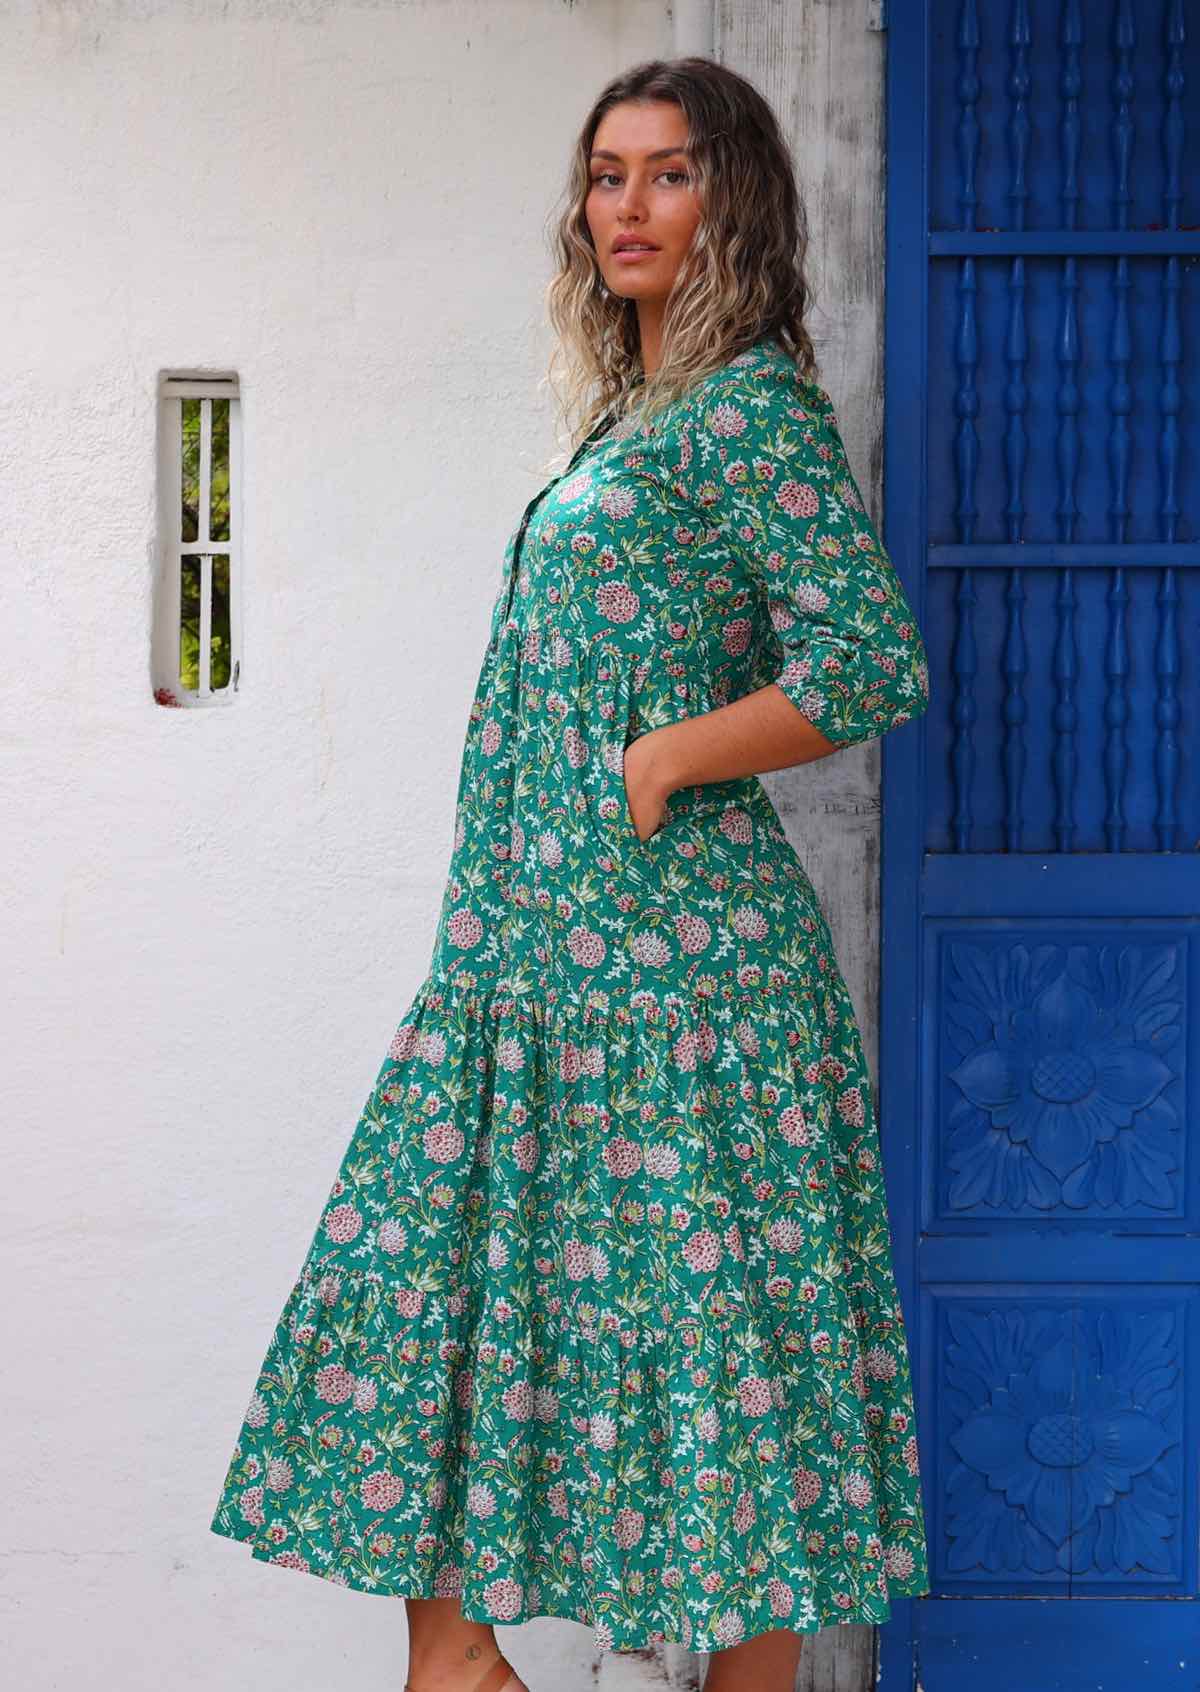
[514, 568]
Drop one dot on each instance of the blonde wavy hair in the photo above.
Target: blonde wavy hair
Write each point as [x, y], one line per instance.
[743, 276]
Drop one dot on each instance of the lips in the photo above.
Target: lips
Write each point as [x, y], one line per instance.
[634, 247]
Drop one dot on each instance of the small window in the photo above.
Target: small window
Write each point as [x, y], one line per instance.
[197, 656]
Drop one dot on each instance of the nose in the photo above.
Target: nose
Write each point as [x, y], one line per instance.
[631, 203]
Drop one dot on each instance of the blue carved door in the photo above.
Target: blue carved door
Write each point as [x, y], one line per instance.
[1041, 891]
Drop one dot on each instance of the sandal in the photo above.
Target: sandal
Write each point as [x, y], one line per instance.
[509, 1680]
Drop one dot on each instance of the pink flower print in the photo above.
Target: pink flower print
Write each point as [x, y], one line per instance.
[807, 595]
[525, 1153]
[448, 1581]
[702, 1251]
[404, 1042]
[464, 930]
[481, 1501]
[392, 1236]
[812, 705]
[798, 499]
[881, 1365]
[443, 1142]
[754, 1395]
[683, 1052]
[577, 1259]
[250, 1505]
[583, 542]
[517, 1400]
[256, 1412]
[577, 486]
[749, 923]
[708, 1425]
[733, 1243]
[617, 602]
[602, 1430]
[806, 1488]
[736, 636]
[851, 1108]
[628, 1527]
[279, 1474]
[793, 1126]
[744, 1513]
[490, 737]
[545, 1404]
[497, 1252]
[433, 1047]
[662, 1160]
[557, 1500]
[510, 1054]
[575, 747]
[587, 948]
[619, 501]
[592, 1061]
[746, 1035]
[779, 1595]
[503, 1599]
[334, 1384]
[727, 420]
[858, 1378]
[909, 1453]
[650, 949]
[692, 932]
[622, 1157]
[550, 851]
[366, 1393]
[381, 1491]
[735, 825]
[570, 1061]
[785, 1235]
[857, 1489]
[730, 1627]
[706, 1039]
[409, 1301]
[343, 1223]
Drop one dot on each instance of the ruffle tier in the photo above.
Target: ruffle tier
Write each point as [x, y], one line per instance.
[599, 1323]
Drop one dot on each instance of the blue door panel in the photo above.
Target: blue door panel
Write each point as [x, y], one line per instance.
[1040, 1042]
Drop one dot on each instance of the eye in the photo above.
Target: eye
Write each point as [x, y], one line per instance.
[681, 175]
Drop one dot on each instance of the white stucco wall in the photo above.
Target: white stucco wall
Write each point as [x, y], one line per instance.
[213, 919]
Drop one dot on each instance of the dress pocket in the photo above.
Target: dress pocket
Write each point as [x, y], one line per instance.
[630, 826]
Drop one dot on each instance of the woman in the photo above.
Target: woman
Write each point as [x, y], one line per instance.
[600, 1320]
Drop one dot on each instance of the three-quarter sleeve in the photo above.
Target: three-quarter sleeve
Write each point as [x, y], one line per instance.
[758, 453]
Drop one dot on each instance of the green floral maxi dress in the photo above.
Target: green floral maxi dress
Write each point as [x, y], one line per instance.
[600, 1319]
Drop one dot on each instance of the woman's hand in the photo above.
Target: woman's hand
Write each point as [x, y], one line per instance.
[646, 789]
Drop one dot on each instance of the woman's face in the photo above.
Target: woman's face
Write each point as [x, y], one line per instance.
[641, 188]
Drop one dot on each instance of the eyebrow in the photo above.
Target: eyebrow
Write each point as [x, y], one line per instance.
[662, 153]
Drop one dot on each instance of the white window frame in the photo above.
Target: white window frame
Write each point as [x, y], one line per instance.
[168, 686]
